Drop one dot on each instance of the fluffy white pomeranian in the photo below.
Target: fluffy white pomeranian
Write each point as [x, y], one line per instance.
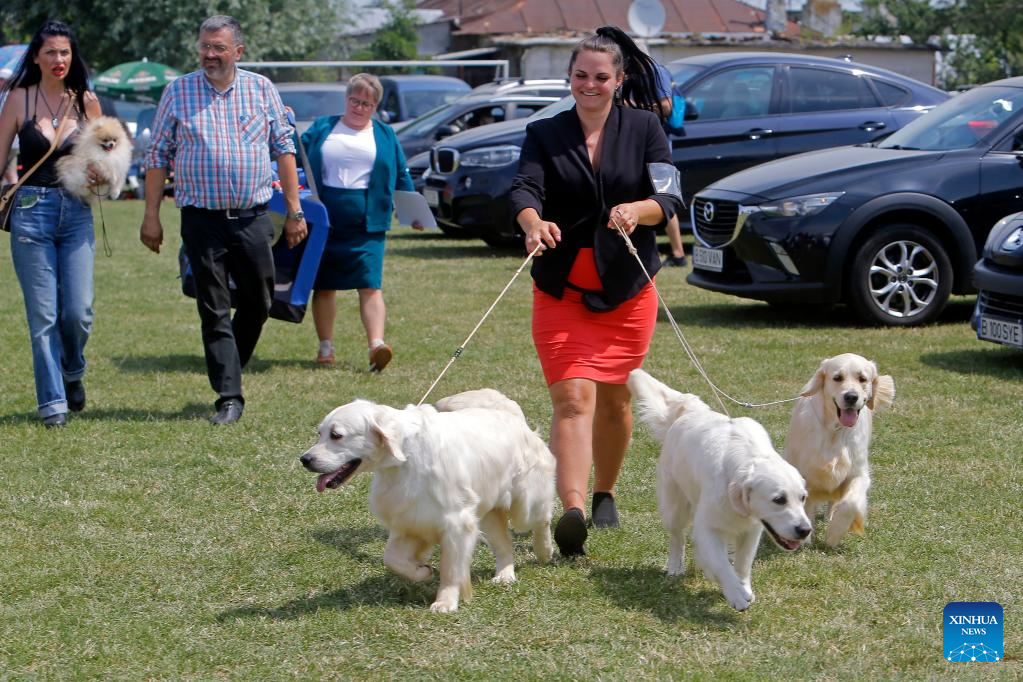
[104, 145]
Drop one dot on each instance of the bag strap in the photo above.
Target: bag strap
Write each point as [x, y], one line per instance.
[56, 142]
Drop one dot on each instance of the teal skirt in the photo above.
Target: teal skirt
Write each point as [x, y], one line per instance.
[353, 258]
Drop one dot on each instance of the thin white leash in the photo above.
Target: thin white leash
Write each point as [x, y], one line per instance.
[681, 337]
[458, 351]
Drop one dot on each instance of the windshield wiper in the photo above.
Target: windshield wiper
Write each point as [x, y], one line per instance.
[899, 146]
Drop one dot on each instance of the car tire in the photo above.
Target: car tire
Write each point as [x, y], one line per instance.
[503, 241]
[900, 277]
[454, 232]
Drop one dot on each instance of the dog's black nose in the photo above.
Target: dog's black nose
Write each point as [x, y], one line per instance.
[306, 459]
[850, 397]
[802, 531]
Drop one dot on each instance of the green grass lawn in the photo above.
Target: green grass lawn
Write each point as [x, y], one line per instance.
[142, 542]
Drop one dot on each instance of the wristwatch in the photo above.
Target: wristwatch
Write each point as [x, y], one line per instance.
[296, 215]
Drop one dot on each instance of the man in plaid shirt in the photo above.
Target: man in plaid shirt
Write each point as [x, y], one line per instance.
[219, 127]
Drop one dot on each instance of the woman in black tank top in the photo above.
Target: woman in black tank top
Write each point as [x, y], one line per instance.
[52, 243]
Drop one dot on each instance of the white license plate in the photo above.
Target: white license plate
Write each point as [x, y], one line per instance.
[708, 259]
[1000, 331]
[432, 197]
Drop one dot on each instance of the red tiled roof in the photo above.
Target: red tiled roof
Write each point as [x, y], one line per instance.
[547, 16]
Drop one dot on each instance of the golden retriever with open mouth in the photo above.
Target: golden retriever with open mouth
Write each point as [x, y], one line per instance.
[721, 477]
[443, 477]
[829, 438]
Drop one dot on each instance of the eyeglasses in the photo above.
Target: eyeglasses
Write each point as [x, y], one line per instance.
[355, 102]
[203, 48]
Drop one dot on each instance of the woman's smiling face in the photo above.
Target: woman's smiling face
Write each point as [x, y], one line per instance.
[594, 79]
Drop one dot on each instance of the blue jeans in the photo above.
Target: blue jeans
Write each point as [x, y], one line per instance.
[53, 248]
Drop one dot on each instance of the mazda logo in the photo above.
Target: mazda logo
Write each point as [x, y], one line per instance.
[708, 211]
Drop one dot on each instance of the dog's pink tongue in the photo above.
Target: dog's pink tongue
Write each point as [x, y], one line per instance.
[321, 482]
[848, 417]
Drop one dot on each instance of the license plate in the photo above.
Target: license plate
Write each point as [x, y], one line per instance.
[1001, 331]
[708, 259]
[432, 197]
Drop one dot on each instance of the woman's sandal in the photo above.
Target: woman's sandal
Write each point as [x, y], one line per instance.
[570, 533]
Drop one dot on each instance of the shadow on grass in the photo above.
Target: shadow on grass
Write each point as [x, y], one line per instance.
[667, 599]
[351, 540]
[186, 413]
[145, 364]
[986, 358]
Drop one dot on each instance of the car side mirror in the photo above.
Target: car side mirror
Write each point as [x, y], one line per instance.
[692, 113]
[446, 131]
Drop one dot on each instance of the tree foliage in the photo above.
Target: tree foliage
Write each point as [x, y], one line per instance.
[397, 39]
[110, 33]
[983, 39]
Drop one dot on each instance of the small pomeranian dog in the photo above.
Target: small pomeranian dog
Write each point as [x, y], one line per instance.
[104, 145]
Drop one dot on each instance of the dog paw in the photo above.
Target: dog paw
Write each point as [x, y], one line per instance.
[444, 606]
[504, 577]
[740, 598]
[676, 566]
[422, 572]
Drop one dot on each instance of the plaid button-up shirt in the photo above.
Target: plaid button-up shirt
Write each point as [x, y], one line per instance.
[221, 143]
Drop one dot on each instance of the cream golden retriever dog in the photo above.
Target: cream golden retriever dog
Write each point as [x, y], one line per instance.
[721, 477]
[443, 477]
[829, 437]
[104, 145]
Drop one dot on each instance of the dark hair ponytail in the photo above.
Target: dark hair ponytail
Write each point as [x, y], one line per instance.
[639, 89]
[29, 73]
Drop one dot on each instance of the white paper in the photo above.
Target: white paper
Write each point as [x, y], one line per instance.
[412, 206]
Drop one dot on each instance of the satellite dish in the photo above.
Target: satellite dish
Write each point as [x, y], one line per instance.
[646, 17]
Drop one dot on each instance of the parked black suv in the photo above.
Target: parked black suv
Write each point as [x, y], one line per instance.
[891, 228]
[742, 109]
[998, 315]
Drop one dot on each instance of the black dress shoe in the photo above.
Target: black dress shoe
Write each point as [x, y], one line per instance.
[674, 261]
[58, 420]
[75, 392]
[570, 533]
[229, 412]
[605, 513]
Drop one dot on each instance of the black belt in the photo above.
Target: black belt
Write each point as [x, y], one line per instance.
[231, 213]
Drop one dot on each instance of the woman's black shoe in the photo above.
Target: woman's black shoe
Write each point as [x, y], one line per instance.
[75, 392]
[570, 533]
[605, 513]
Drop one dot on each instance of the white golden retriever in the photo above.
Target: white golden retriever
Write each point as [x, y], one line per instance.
[722, 477]
[443, 477]
[103, 145]
[829, 437]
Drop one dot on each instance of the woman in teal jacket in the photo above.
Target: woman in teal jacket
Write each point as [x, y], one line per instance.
[357, 164]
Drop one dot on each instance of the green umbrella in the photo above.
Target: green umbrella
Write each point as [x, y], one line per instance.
[143, 78]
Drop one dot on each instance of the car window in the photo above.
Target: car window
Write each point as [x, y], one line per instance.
[683, 73]
[390, 105]
[891, 95]
[428, 121]
[827, 90]
[961, 122]
[311, 104]
[418, 102]
[526, 110]
[736, 93]
[480, 117]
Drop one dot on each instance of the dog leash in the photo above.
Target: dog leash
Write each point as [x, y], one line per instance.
[718, 393]
[103, 224]
[458, 351]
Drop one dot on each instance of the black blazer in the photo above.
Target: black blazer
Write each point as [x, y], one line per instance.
[555, 178]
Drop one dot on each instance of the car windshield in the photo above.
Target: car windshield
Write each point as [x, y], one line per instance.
[418, 102]
[428, 121]
[311, 104]
[961, 122]
[683, 73]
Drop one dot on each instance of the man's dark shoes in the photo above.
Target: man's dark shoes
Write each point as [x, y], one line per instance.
[229, 412]
[605, 513]
[55, 420]
[674, 261]
[570, 533]
[75, 393]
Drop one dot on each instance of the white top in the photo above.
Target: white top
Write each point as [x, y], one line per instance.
[348, 157]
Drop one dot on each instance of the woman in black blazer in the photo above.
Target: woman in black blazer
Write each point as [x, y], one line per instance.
[581, 173]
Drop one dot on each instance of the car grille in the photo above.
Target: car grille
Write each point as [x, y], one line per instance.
[415, 173]
[444, 160]
[714, 220]
[1002, 305]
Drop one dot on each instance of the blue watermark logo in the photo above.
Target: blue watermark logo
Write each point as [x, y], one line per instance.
[972, 631]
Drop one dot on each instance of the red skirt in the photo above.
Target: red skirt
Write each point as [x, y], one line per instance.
[573, 342]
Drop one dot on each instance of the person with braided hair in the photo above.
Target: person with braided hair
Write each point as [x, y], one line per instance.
[583, 175]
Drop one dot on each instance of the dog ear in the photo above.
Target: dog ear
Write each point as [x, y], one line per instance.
[387, 436]
[882, 393]
[815, 384]
[738, 495]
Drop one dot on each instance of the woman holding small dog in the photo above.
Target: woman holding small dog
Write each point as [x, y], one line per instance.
[52, 241]
[583, 174]
[357, 163]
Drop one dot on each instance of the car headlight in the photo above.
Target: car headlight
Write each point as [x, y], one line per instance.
[809, 204]
[491, 157]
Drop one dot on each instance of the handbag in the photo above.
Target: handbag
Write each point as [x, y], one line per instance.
[11, 188]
